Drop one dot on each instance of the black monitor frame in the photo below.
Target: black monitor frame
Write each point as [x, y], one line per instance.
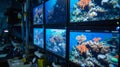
[111, 29]
[106, 22]
[51, 52]
[42, 48]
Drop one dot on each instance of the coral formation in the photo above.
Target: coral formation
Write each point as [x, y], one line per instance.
[82, 48]
[83, 3]
[92, 10]
[95, 51]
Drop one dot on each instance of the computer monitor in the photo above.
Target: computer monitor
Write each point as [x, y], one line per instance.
[94, 48]
[94, 10]
[38, 15]
[56, 11]
[38, 37]
[56, 41]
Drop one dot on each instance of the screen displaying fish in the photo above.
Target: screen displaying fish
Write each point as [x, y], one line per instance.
[55, 11]
[38, 15]
[94, 49]
[38, 37]
[94, 10]
[56, 41]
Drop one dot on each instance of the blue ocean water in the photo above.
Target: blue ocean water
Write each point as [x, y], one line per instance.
[89, 36]
[38, 37]
[72, 2]
[55, 11]
[49, 6]
[38, 20]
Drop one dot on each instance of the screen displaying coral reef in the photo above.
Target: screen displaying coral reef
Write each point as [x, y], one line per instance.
[38, 37]
[94, 10]
[56, 41]
[38, 15]
[55, 11]
[94, 49]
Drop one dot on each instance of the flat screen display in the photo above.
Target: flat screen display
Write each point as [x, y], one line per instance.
[38, 37]
[94, 10]
[38, 15]
[56, 41]
[94, 49]
[55, 11]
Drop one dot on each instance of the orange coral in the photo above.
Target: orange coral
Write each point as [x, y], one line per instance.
[82, 48]
[83, 3]
[96, 39]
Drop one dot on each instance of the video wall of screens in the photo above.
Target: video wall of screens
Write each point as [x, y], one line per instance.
[56, 11]
[56, 41]
[97, 49]
[38, 15]
[38, 37]
[94, 10]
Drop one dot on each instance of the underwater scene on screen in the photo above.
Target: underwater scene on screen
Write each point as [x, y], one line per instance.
[38, 15]
[94, 10]
[55, 11]
[38, 37]
[56, 41]
[94, 49]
